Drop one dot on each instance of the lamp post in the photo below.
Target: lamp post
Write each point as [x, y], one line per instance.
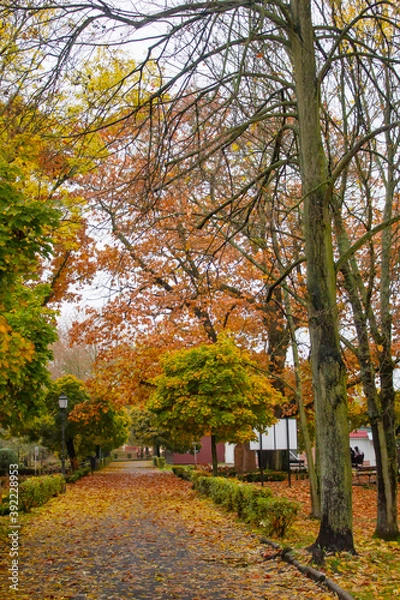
[63, 403]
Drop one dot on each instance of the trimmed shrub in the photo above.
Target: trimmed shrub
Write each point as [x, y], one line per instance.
[222, 471]
[277, 515]
[185, 473]
[202, 484]
[245, 501]
[267, 476]
[78, 474]
[7, 458]
[159, 462]
[255, 505]
[37, 491]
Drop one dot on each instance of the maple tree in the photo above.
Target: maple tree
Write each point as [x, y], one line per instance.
[26, 328]
[47, 426]
[88, 426]
[210, 390]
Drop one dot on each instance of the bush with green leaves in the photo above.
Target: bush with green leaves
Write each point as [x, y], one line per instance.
[185, 473]
[254, 505]
[78, 474]
[38, 490]
[7, 457]
[222, 471]
[266, 476]
[277, 515]
[159, 462]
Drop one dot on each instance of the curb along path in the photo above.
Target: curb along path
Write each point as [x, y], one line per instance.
[132, 532]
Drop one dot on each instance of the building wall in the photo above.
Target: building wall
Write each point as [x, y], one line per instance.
[203, 457]
[363, 439]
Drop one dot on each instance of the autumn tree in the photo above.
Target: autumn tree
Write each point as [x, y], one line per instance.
[36, 220]
[213, 390]
[265, 62]
[26, 328]
[69, 358]
[366, 230]
[47, 427]
[88, 427]
[102, 427]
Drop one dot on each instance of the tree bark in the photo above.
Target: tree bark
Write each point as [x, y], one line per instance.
[382, 421]
[328, 370]
[314, 485]
[214, 455]
[374, 326]
[69, 442]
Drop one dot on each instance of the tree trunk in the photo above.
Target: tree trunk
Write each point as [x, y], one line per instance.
[278, 339]
[380, 410]
[387, 525]
[380, 406]
[312, 472]
[214, 455]
[69, 442]
[244, 458]
[328, 370]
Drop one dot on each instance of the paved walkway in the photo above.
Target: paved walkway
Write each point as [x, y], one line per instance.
[132, 532]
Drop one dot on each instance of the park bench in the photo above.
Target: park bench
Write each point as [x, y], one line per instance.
[296, 464]
[361, 472]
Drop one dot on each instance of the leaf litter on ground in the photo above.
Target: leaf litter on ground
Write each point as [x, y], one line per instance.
[374, 572]
[145, 535]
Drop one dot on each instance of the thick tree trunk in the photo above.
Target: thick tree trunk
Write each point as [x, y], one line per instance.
[244, 458]
[387, 525]
[328, 370]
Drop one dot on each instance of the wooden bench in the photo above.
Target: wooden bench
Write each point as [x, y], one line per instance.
[361, 472]
[296, 465]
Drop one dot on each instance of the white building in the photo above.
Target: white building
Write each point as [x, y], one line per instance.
[362, 438]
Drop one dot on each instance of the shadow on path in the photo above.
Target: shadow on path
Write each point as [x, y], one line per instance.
[133, 532]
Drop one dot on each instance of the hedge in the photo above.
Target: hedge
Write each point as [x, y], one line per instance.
[186, 473]
[255, 505]
[82, 472]
[267, 475]
[159, 461]
[37, 491]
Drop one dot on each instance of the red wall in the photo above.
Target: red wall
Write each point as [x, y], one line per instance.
[203, 457]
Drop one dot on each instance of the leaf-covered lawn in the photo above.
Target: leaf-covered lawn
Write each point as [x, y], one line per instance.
[144, 535]
[374, 574]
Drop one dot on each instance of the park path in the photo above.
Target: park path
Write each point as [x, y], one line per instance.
[136, 533]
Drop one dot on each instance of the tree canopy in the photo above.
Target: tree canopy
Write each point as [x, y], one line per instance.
[213, 389]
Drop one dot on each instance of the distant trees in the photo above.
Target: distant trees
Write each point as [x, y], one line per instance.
[88, 427]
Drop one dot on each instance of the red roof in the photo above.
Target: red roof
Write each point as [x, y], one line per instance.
[359, 434]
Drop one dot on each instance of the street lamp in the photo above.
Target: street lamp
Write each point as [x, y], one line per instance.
[63, 403]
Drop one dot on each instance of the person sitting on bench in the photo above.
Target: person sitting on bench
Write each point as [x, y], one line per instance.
[358, 456]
